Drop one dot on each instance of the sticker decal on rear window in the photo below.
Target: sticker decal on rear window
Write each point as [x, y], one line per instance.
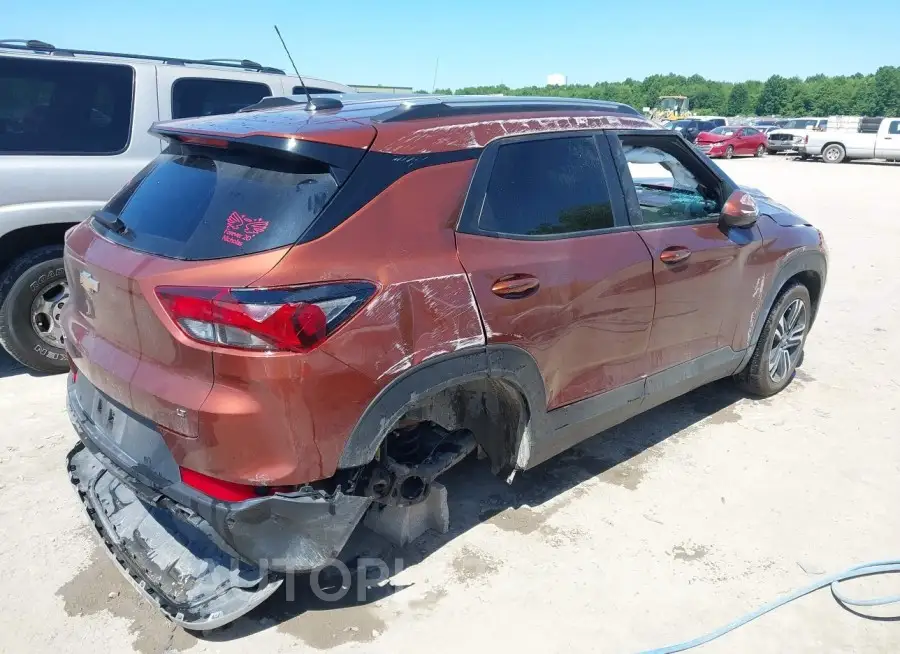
[239, 228]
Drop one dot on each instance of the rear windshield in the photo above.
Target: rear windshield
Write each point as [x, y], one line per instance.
[193, 203]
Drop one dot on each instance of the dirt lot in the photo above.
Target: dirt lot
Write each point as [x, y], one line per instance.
[667, 527]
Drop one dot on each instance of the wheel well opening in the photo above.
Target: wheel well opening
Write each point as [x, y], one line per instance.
[813, 283]
[19, 241]
[494, 411]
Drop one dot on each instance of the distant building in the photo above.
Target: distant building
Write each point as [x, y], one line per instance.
[556, 79]
[380, 88]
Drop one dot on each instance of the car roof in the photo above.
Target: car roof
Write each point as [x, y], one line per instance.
[411, 124]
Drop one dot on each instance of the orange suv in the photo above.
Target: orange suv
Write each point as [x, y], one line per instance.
[306, 308]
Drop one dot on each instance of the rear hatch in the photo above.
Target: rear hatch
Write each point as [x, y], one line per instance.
[213, 211]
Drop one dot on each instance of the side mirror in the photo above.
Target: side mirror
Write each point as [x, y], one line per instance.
[740, 210]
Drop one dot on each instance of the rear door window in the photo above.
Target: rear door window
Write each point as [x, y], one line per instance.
[64, 107]
[894, 127]
[193, 97]
[199, 203]
[547, 187]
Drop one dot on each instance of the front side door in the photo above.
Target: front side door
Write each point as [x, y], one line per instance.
[702, 288]
[754, 138]
[887, 145]
[555, 266]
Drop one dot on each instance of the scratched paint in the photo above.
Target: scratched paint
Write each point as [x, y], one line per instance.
[476, 134]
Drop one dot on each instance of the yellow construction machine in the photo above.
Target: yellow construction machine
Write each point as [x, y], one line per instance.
[671, 107]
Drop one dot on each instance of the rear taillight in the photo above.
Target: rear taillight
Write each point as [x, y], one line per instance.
[274, 319]
[806, 139]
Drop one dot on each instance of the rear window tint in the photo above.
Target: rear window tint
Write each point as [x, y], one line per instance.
[192, 97]
[66, 108]
[199, 204]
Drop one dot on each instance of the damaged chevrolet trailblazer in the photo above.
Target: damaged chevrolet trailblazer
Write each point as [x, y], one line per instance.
[309, 310]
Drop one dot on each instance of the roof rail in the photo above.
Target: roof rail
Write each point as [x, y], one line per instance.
[41, 46]
[447, 107]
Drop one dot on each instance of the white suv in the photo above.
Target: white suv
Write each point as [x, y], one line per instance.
[73, 130]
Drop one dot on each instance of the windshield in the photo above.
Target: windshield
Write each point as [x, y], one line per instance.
[800, 124]
[724, 131]
[679, 124]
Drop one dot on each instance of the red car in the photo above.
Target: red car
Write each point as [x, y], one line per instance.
[731, 140]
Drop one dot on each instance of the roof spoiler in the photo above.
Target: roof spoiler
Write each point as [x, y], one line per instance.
[280, 144]
[314, 104]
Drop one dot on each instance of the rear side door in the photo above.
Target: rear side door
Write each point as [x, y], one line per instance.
[555, 266]
[702, 289]
[887, 143]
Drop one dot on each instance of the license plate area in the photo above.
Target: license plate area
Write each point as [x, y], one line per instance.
[108, 418]
[129, 440]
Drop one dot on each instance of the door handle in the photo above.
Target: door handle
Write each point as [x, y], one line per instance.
[674, 254]
[887, 138]
[516, 286]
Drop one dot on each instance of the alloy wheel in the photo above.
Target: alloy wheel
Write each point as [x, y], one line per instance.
[787, 341]
[45, 312]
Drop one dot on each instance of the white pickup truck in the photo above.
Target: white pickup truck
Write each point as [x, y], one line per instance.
[835, 147]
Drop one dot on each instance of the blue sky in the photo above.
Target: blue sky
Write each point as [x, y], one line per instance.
[396, 42]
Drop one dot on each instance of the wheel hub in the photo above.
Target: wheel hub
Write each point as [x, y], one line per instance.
[787, 341]
[46, 310]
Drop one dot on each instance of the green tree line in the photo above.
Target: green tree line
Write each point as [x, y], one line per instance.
[876, 94]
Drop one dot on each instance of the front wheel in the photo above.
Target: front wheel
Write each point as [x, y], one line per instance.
[780, 346]
[33, 291]
[760, 151]
[729, 152]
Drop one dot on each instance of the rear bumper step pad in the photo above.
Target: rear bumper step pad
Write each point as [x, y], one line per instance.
[175, 564]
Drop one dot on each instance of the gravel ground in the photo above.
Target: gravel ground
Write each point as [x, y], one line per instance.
[658, 531]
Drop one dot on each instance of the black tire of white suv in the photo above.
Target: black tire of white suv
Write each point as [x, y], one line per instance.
[22, 284]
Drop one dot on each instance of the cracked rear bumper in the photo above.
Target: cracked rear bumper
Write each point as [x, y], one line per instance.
[176, 564]
[285, 532]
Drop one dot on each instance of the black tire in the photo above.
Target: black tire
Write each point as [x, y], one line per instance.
[760, 151]
[755, 377]
[833, 153]
[20, 285]
[729, 152]
[771, 151]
